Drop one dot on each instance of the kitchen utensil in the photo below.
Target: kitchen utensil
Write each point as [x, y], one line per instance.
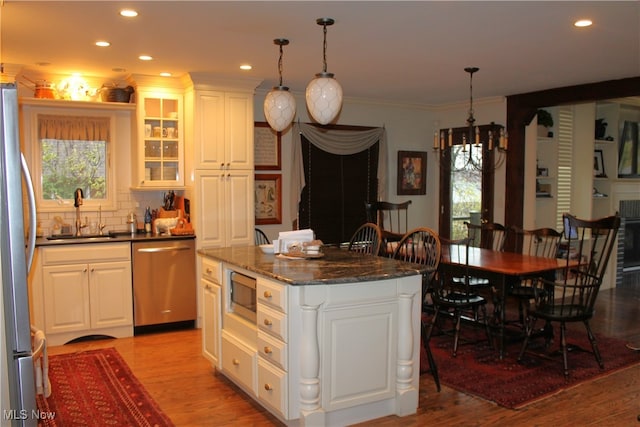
[42, 88]
[116, 94]
[169, 198]
[133, 223]
[267, 249]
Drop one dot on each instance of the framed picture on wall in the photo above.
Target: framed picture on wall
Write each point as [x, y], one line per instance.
[266, 143]
[598, 164]
[268, 198]
[412, 172]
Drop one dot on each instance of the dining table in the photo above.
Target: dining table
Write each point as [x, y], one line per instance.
[502, 269]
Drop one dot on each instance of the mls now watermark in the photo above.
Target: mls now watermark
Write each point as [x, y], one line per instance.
[24, 414]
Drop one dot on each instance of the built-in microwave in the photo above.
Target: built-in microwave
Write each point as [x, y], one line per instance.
[242, 292]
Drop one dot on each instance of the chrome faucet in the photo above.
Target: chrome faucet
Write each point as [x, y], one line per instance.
[101, 226]
[77, 202]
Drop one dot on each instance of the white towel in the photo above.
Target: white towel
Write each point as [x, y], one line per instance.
[41, 362]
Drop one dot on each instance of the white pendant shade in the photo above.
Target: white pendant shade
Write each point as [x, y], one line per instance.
[279, 108]
[324, 98]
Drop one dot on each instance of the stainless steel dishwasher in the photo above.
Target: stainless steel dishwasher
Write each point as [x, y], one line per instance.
[164, 281]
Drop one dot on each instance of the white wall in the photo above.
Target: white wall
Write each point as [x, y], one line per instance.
[409, 128]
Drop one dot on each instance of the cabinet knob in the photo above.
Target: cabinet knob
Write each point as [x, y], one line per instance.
[268, 387]
[85, 270]
[267, 349]
[209, 271]
[235, 362]
[267, 294]
[221, 165]
[267, 322]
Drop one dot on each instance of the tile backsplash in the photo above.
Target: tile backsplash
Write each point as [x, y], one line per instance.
[127, 202]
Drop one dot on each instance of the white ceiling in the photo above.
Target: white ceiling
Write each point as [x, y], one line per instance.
[410, 52]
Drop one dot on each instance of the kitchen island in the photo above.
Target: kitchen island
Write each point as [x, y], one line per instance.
[332, 341]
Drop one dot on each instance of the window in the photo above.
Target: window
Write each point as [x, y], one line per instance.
[466, 190]
[69, 152]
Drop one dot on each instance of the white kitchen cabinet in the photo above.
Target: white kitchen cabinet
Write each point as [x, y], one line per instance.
[273, 348]
[223, 123]
[223, 162]
[86, 290]
[211, 304]
[159, 152]
[224, 204]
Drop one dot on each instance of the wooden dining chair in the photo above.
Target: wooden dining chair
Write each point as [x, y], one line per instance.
[455, 298]
[392, 218]
[261, 238]
[540, 242]
[422, 246]
[367, 239]
[572, 295]
[487, 235]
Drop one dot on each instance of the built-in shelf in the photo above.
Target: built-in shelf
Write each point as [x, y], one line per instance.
[64, 103]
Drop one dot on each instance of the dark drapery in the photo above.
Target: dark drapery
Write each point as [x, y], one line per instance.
[337, 187]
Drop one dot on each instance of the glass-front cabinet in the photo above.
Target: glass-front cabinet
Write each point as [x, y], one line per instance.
[160, 154]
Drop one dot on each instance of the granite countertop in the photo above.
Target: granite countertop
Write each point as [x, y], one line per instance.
[111, 237]
[336, 266]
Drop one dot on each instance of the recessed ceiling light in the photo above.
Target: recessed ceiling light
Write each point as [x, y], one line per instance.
[145, 57]
[102, 43]
[165, 74]
[129, 13]
[583, 23]
[246, 67]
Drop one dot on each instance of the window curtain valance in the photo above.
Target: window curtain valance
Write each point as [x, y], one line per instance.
[341, 142]
[74, 128]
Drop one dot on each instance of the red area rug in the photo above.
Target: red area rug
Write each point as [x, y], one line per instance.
[97, 388]
[478, 371]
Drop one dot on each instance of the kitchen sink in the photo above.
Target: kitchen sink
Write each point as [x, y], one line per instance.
[83, 238]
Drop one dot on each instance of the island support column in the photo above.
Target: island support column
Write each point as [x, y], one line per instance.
[310, 412]
[407, 392]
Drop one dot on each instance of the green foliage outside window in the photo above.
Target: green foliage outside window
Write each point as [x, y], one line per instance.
[466, 187]
[67, 165]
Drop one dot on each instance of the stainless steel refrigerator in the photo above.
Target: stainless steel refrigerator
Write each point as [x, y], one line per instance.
[17, 385]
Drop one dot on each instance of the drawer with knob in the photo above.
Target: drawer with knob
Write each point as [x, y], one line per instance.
[272, 294]
[272, 387]
[211, 270]
[273, 322]
[273, 350]
[239, 362]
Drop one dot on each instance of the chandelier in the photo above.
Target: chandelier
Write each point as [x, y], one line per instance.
[472, 146]
[324, 93]
[279, 104]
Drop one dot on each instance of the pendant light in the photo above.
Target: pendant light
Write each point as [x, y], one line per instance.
[476, 141]
[324, 93]
[279, 104]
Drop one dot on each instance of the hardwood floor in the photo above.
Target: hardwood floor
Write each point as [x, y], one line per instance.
[172, 369]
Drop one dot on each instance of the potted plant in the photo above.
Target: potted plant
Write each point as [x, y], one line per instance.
[545, 122]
